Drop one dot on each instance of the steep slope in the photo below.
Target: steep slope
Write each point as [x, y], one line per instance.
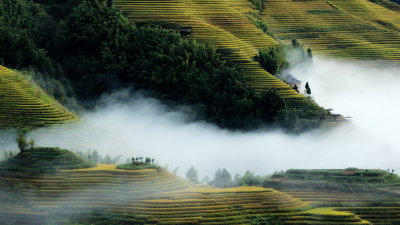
[350, 29]
[225, 24]
[23, 103]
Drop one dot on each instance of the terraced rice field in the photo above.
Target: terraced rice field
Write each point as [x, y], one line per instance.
[344, 29]
[156, 197]
[225, 24]
[366, 206]
[23, 103]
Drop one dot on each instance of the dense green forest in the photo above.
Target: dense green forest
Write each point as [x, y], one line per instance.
[81, 49]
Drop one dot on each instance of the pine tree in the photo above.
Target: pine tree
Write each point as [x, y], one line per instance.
[308, 89]
[192, 176]
[296, 88]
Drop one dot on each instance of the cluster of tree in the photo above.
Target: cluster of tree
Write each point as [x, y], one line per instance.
[274, 58]
[90, 46]
[95, 157]
[224, 179]
[21, 140]
[142, 160]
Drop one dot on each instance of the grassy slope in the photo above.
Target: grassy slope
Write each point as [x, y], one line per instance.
[152, 196]
[227, 25]
[351, 29]
[23, 103]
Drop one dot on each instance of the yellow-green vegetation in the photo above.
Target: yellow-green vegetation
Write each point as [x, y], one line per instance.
[25, 104]
[225, 24]
[351, 29]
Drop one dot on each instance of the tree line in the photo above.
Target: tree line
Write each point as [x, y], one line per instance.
[224, 179]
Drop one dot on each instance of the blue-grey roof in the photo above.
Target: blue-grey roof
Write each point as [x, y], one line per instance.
[292, 79]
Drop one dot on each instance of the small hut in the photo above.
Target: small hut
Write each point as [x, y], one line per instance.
[292, 81]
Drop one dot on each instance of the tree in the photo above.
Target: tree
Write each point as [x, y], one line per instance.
[222, 179]
[295, 43]
[31, 144]
[309, 54]
[296, 88]
[95, 157]
[20, 139]
[148, 160]
[308, 89]
[273, 59]
[250, 179]
[192, 176]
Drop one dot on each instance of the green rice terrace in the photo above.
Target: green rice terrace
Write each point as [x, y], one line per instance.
[77, 192]
[24, 104]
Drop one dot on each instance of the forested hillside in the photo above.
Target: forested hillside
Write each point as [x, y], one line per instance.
[90, 48]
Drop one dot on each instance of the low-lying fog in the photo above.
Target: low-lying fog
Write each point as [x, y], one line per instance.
[144, 127]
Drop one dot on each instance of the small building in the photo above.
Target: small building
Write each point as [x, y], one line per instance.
[292, 81]
[338, 117]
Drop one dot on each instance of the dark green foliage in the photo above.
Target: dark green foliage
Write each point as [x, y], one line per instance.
[269, 220]
[222, 179]
[35, 161]
[290, 120]
[308, 89]
[259, 4]
[262, 26]
[273, 59]
[138, 166]
[88, 48]
[192, 175]
[27, 33]
[296, 88]
[25, 29]
[20, 139]
[140, 163]
[248, 179]
[171, 68]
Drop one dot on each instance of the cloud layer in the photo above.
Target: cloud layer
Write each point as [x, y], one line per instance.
[144, 127]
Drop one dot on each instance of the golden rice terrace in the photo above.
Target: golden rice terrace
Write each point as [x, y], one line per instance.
[23, 103]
